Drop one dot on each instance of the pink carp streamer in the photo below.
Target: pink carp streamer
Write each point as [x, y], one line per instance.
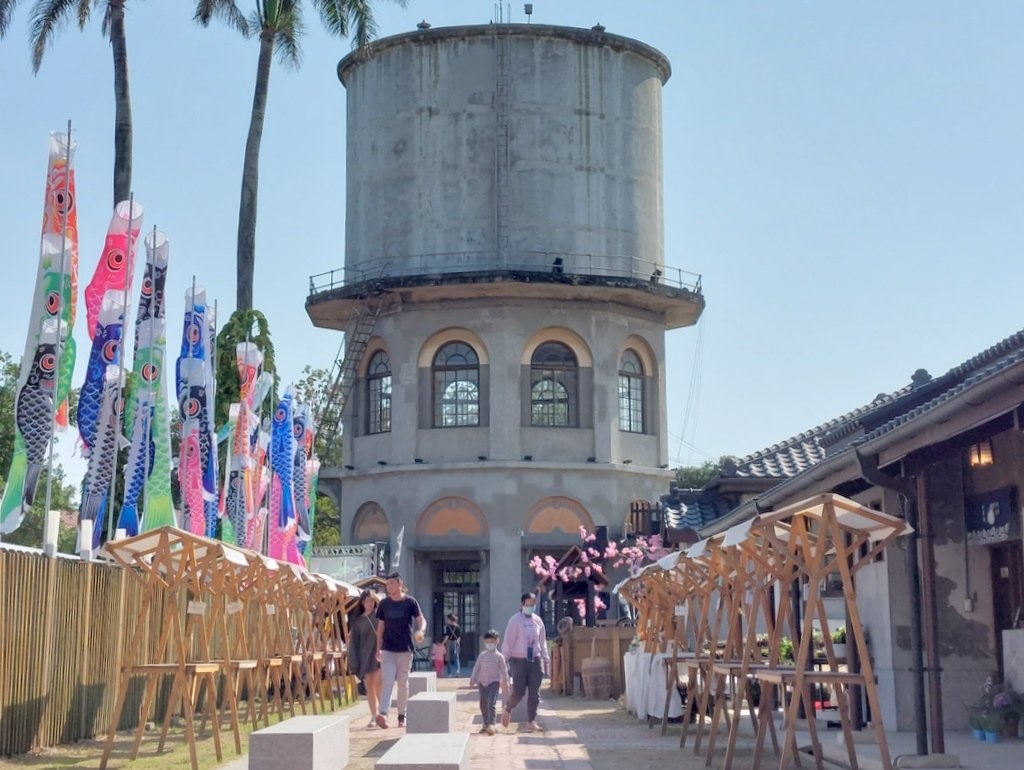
[114, 271]
[238, 495]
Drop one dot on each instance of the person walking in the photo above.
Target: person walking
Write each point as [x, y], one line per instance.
[526, 648]
[438, 652]
[399, 631]
[362, 649]
[453, 638]
[490, 673]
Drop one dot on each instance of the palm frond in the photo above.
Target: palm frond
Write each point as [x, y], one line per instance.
[225, 10]
[6, 12]
[85, 7]
[334, 15]
[105, 27]
[366, 25]
[287, 32]
[46, 18]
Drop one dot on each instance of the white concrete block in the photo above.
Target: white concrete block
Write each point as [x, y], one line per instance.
[431, 712]
[428, 751]
[422, 681]
[301, 743]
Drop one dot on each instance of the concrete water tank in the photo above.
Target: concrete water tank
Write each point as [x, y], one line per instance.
[504, 147]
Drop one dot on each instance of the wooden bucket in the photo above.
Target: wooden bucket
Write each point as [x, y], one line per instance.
[596, 674]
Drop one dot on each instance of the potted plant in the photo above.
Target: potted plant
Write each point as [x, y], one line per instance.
[974, 721]
[992, 724]
[1001, 708]
[839, 643]
[1008, 705]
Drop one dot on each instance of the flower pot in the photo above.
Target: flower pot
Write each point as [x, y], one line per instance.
[991, 737]
[978, 733]
[1010, 727]
[839, 650]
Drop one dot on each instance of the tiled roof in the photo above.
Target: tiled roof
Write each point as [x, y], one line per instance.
[800, 452]
[692, 508]
[928, 396]
[992, 362]
[795, 455]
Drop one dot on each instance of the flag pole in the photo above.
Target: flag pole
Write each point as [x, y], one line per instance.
[119, 385]
[148, 432]
[60, 336]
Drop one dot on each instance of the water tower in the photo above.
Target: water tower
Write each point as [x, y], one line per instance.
[505, 300]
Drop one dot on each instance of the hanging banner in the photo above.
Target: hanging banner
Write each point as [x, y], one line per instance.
[992, 518]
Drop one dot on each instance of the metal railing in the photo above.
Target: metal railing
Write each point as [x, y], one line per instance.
[540, 262]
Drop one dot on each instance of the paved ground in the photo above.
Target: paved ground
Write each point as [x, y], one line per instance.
[598, 735]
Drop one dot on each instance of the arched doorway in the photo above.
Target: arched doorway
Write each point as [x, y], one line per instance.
[453, 533]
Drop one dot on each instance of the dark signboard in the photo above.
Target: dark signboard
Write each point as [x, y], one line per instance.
[992, 517]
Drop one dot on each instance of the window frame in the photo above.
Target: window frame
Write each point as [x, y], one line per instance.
[378, 393]
[544, 410]
[466, 411]
[630, 395]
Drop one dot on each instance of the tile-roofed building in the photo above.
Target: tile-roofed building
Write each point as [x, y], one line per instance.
[738, 483]
[887, 413]
[945, 453]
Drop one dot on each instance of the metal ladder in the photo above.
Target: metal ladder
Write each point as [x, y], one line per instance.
[343, 373]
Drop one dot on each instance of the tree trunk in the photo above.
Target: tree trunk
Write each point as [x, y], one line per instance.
[122, 105]
[251, 176]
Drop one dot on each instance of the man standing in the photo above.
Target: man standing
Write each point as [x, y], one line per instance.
[453, 638]
[526, 648]
[397, 614]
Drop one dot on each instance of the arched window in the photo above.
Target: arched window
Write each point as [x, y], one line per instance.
[631, 393]
[554, 393]
[378, 393]
[456, 371]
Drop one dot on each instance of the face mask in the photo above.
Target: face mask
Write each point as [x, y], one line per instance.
[491, 646]
[528, 611]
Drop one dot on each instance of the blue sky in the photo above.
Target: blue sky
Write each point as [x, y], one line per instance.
[848, 178]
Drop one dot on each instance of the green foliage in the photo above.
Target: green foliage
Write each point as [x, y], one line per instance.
[839, 635]
[63, 498]
[313, 389]
[327, 525]
[696, 476]
[9, 371]
[786, 650]
[242, 326]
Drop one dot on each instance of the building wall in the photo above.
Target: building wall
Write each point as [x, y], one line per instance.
[965, 631]
[505, 493]
[580, 148]
[504, 335]
[492, 151]
[504, 486]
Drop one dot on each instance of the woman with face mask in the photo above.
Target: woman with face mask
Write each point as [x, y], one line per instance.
[526, 648]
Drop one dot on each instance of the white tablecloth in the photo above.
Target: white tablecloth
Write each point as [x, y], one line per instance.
[645, 686]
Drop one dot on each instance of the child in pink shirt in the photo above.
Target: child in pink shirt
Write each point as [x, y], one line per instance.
[437, 652]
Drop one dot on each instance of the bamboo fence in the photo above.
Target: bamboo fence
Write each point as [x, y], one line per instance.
[64, 624]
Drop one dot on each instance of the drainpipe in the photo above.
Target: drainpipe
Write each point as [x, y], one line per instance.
[908, 503]
[931, 627]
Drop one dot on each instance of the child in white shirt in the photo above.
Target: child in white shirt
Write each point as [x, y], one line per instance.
[489, 675]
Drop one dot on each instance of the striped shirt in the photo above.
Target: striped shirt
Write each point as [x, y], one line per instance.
[490, 667]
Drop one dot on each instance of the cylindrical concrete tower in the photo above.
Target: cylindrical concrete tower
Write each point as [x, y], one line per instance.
[505, 297]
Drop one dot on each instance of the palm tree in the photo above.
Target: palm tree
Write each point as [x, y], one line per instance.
[278, 25]
[47, 17]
